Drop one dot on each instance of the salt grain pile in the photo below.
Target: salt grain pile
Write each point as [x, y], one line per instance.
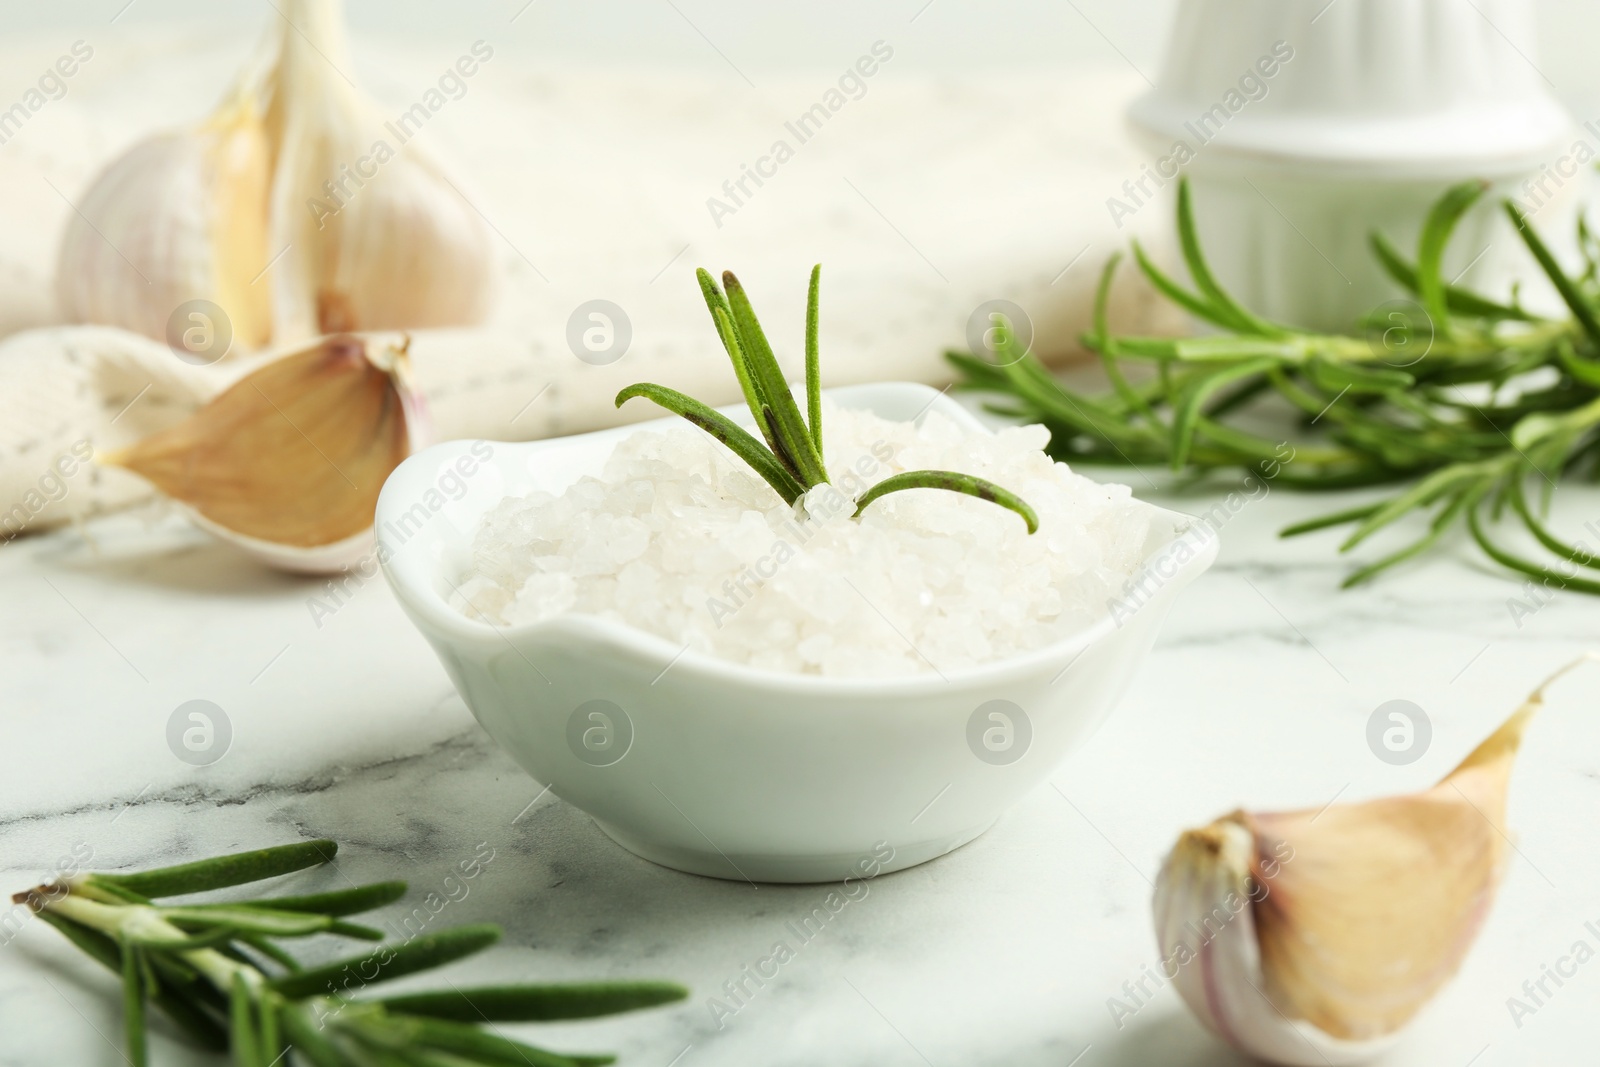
[679, 538]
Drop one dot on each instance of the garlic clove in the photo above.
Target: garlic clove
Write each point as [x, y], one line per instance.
[1206, 929]
[378, 237]
[240, 252]
[288, 461]
[181, 216]
[1313, 937]
[1399, 885]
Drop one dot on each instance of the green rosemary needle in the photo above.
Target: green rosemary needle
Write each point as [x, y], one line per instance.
[1469, 398]
[218, 973]
[791, 459]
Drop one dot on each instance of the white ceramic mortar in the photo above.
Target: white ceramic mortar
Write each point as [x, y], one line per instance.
[1371, 110]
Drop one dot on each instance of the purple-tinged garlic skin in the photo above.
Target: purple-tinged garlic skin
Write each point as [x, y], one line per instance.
[1313, 937]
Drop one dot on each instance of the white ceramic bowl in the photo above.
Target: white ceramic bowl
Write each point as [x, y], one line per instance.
[721, 769]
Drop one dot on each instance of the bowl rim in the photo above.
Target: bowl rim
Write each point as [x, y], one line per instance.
[411, 576]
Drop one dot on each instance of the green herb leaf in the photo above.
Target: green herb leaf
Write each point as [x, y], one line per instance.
[1542, 533]
[1176, 293]
[133, 1016]
[489, 1048]
[1422, 494]
[223, 871]
[241, 1017]
[272, 1048]
[1570, 294]
[216, 935]
[386, 964]
[1189, 405]
[791, 429]
[339, 901]
[1436, 231]
[248, 919]
[958, 483]
[357, 931]
[1436, 530]
[1460, 301]
[723, 429]
[814, 360]
[271, 952]
[1229, 310]
[1338, 377]
[1586, 371]
[1337, 518]
[1550, 578]
[536, 1003]
[309, 1040]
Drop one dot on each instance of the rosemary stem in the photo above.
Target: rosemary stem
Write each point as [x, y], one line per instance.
[123, 921]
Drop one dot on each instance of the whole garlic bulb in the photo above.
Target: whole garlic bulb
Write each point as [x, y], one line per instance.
[1313, 937]
[263, 209]
[180, 216]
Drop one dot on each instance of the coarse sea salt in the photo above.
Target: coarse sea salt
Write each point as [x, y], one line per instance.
[679, 538]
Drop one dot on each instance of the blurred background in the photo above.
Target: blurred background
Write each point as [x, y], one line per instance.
[599, 146]
[948, 35]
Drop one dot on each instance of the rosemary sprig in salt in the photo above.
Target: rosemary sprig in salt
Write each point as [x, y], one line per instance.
[791, 459]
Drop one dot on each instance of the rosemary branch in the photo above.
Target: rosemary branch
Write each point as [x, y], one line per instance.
[217, 972]
[1467, 397]
[791, 459]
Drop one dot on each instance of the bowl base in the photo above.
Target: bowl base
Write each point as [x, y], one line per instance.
[820, 867]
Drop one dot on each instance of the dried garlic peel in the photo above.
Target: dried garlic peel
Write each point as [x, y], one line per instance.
[290, 459]
[1312, 937]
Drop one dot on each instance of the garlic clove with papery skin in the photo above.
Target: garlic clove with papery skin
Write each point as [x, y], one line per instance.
[1205, 924]
[376, 232]
[1313, 937]
[181, 216]
[288, 461]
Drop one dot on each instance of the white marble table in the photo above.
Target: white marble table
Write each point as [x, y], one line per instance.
[1005, 952]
